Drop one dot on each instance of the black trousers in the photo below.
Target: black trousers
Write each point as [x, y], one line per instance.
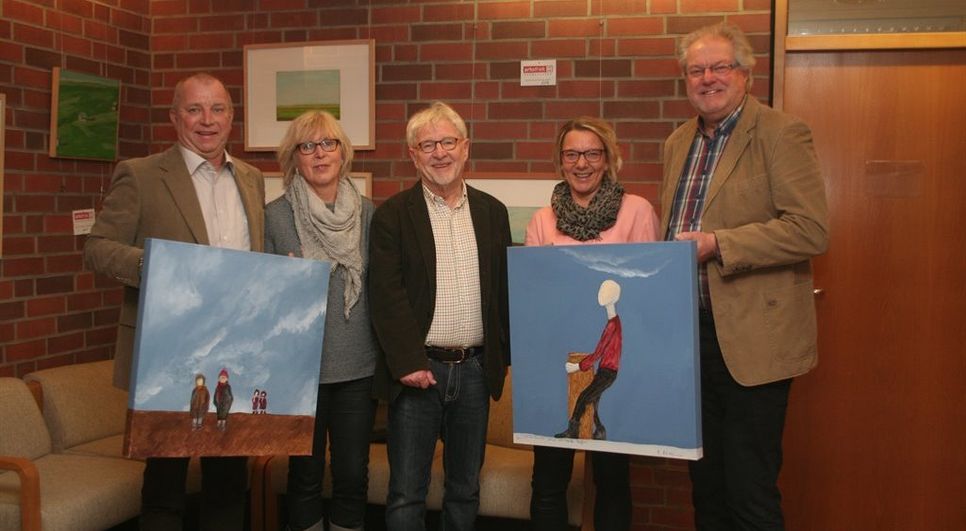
[224, 482]
[552, 468]
[735, 483]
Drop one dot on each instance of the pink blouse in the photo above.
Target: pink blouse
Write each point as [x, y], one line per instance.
[636, 222]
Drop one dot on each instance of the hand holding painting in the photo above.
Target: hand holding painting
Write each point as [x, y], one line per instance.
[571, 367]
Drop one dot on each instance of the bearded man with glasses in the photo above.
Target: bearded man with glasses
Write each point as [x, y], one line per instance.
[438, 289]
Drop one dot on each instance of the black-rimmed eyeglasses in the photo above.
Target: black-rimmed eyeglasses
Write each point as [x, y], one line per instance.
[719, 69]
[448, 144]
[591, 155]
[327, 144]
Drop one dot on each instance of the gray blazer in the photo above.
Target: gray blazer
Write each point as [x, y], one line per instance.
[154, 197]
[349, 347]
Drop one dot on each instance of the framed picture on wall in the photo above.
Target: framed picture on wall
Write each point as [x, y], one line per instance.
[274, 187]
[523, 194]
[284, 80]
[83, 116]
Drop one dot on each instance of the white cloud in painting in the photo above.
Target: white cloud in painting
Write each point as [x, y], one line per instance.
[612, 264]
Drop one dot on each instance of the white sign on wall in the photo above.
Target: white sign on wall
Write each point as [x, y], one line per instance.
[538, 73]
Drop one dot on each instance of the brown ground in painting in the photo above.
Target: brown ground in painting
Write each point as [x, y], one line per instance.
[169, 434]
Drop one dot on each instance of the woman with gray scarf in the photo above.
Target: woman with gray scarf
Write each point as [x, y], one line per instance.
[322, 216]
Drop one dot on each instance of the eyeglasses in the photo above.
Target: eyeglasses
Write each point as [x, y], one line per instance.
[719, 69]
[448, 144]
[591, 155]
[327, 144]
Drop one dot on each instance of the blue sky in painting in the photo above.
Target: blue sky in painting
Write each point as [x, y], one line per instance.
[260, 316]
[554, 311]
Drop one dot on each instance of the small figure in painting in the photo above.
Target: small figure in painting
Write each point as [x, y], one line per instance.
[223, 399]
[200, 400]
[263, 402]
[608, 351]
[255, 396]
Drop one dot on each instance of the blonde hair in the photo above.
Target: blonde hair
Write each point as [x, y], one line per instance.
[436, 112]
[744, 54]
[301, 128]
[604, 132]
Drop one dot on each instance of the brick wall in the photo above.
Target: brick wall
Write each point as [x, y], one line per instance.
[615, 58]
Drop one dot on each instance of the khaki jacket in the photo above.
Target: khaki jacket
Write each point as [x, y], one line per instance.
[766, 206]
[154, 197]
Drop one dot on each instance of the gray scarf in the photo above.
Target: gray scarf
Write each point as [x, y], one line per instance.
[581, 223]
[333, 235]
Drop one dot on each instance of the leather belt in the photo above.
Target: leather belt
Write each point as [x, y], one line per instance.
[452, 355]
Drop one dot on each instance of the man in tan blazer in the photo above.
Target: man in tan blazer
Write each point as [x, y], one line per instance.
[193, 192]
[743, 182]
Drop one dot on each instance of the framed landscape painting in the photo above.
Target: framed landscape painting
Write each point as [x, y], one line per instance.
[522, 194]
[227, 352]
[83, 116]
[605, 348]
[284, 80]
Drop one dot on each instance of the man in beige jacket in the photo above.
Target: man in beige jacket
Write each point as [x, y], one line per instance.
[192, 192]
[743, 182]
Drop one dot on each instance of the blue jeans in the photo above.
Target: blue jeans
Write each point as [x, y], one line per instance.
[344, 413]
[456, 410]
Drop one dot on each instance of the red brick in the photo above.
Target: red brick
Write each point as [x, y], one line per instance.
[708, 6]
[444, 91]
[646, 47]
[395, 91]
[210, 41]
[760, 23]
[501, 50]
[648, 191]
[559, 8]
[574, 28]
[56, 361]
[503, 10]
[100, 31]
[23, 351]
[534, 150]
[6, 289]
[24, 12]
[586, 89]
[648, 171]
[101, 336]
[514, 110]
[518, 30]
[106, 317]
[395, 14]
[94, 354]
[294, 19]
[682, 25]
[558, 48]
[513, 91]
[58, 284]
[436, 32]
[755, 5]
[77, 321]
[11, 310]
[602, 68]
[669, 6]
[446, 52]
[33, 35]
[23, 288]
[670, 517]
[81, 8]
[45, 306]
[406, 72]
[461, 71]
[637, 129]
[13, 246]
[195, 61]
[177, 25]
[644, 88]
[657, 68]
[629, 26]
[35, 328]
[680, 109]
[566, 110]
[624, 7]
[21, 267]
[70, 263]
[441, 12]
[58, 224]
[7, 333]
[631, 109]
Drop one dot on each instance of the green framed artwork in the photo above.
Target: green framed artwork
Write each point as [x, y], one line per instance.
[84, 116]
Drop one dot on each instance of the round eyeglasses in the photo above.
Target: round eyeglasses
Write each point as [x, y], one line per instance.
[327, 144]
[448, 144]
[571, 156]
[720, 69]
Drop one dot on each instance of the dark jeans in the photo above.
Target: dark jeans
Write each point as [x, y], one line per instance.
[343, 416]
[552, 468]
[735, 483]
[456, 410]
[224, 482]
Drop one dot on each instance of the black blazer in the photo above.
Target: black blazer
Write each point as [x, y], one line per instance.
[402, 285]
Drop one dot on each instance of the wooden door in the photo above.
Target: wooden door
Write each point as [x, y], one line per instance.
[876, 435]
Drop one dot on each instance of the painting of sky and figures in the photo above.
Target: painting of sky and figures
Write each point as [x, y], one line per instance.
[306, 90]
[605, 348]
[227, 352]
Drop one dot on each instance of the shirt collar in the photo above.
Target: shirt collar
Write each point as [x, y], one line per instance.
[194, 161]
[434, 199]
[727, 125]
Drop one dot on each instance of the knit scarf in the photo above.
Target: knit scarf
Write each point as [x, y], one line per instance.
[334, 235]
[581, 223]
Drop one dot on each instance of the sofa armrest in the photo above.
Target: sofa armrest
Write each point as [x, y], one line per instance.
[29, 490]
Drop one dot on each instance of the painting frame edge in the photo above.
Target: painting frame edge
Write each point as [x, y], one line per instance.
[54, 140]
[249, 53]
[510, 188]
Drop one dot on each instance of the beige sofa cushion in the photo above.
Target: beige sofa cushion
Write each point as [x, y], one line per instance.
[24, 433]
[77, 493]
[80, 403]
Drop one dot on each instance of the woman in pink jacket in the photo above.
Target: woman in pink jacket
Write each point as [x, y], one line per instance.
[588, 207]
